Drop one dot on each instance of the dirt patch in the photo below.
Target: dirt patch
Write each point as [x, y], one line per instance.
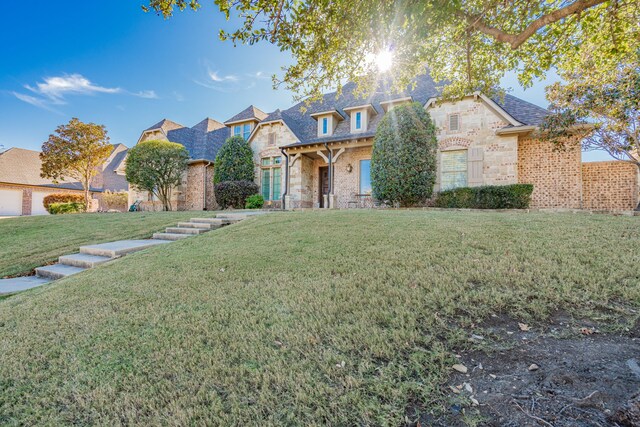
[564, 375]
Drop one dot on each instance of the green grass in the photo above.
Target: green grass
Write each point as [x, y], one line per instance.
[305, 318]
[29, 242]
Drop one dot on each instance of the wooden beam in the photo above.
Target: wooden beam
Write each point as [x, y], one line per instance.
[294, 158]
[335, 156]
[321, 154]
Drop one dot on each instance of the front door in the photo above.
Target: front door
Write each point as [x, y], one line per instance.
[324, 184]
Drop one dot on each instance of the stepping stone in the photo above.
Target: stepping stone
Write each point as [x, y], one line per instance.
[182, 230]
[17, 284]
[201, 225]
[171, 236]
[119, 248]
[83, 260]
[57, 271]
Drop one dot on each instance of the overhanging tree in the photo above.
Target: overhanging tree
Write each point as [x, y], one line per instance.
[157, 167]
[470, 44]
[603, 112]
[403, 162]
[75, 151]
[234, 161]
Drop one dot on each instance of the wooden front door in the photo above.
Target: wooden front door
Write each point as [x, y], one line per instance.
[324, 184]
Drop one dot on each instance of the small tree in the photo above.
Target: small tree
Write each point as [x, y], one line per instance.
[234, 161]
[157, 167]
[403, 163]
[75, 151]
[609, 106]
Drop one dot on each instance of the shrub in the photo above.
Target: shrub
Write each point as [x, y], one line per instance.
[255, 201]
[234, 161]
[62, 198]
[403, 162]
[515, 196]
[233, 194]
[63, 208]
[115, 200]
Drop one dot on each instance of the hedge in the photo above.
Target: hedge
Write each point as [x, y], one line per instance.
[515, 196]
[255, 201]
[234, 194]
[63, 208]
[62, 198]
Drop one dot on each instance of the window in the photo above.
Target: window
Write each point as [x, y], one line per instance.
[454, 169]
[246, 131]
[271, 178]
[365, 176]
[325, 125]
[359, 120]
[454, 122]
[237, 130]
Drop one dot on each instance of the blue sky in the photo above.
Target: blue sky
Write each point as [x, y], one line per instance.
[118, 66]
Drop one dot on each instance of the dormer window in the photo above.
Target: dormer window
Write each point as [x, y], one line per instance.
[327, 122]
[237, 130]
[242, 130]
[360, 117]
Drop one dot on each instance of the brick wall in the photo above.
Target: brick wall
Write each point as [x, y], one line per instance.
[27, 194]
[346, 184]
[556, 175]
[193, 188]
[611, 185]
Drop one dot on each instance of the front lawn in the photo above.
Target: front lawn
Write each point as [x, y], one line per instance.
[32, 241]
[304, 318]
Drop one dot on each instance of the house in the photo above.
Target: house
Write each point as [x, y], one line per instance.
[22, 189]
[326, 150]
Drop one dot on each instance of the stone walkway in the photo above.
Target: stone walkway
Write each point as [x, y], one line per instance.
[93, 255]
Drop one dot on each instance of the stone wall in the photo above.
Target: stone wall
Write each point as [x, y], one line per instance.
[301, 183]
[611, 185]
[347, 184]
[477, 126]
[556, 175]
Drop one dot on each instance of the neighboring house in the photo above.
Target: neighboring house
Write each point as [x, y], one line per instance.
[482, 141]
[22, 189]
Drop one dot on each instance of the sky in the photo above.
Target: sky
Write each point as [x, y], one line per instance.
[118, 66]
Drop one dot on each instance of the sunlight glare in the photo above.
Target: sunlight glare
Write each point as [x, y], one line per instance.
[384, 61]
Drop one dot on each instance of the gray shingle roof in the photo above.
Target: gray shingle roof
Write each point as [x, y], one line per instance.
[523, 111]
[201, 144]
[249, 113]
[166, 125]
[20, 166]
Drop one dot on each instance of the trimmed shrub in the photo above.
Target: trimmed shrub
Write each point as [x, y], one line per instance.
[117, 201]
[234, 194]
[255, 201]
[515, 196]
[234, 161]
[64, 208]
[62, 198]
[403, 161]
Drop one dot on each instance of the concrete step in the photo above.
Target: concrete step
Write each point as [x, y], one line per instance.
[213, 221]
[233, 216]
[9, 286]
[171, 236]
[57, 271]
[201, 225]
[184, 230]
[119, 248]
[83, 260]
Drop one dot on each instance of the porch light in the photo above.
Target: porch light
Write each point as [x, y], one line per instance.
[349, 168]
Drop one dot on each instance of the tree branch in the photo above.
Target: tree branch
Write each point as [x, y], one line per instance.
[516, 40]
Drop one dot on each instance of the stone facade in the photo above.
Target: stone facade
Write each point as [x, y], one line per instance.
[477, 127]
[609, 185]
[197, 186]
[556, 175]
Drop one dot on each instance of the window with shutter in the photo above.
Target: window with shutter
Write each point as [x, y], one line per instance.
[453, 169]
[454, 122]
[476, 166]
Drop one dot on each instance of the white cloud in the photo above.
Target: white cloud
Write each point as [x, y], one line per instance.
[36, 102]
[147, 94]
[55, 88]
[259, 75]
[213, 75]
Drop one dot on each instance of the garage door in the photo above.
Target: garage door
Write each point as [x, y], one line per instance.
[37, 208]
[10, 202]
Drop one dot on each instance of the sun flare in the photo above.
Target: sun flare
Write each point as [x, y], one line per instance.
[384, 61]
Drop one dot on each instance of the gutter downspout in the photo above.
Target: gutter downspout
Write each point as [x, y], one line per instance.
[204, 185]
[286, 178]
[330, 175]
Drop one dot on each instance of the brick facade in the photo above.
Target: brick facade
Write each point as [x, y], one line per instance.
[192, 197]
[609, 185]
[556, 175]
